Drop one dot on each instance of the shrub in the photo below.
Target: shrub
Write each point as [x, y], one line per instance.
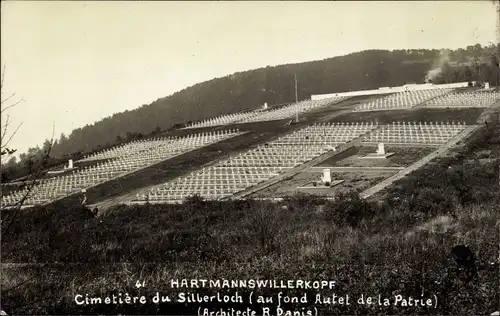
[263, 221]
[349, 209]
[302, 202]
[431, 202]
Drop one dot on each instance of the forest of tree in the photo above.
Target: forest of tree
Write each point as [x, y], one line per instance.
[275, 85]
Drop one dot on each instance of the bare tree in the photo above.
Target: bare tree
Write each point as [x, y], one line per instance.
[33, 174]
[8, 102]
[9, 213]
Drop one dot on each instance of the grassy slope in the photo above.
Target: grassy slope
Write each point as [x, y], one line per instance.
[398, 246]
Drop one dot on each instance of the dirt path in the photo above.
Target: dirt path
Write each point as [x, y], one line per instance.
[355, 169]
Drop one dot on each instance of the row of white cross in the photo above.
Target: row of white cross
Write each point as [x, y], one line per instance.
[269, 115]
[415, 133]
[140, 156]
[465, 99]
[291, 110]
[223, 119]
[400, 100]
[131, 148]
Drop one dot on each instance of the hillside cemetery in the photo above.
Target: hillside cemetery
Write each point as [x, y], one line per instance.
[121, 160]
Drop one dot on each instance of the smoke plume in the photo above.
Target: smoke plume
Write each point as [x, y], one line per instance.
[437, 65]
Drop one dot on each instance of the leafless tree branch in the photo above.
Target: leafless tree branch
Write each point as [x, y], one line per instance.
[3, 75]
[12, 105]
[11, 135]
[8, 98]
[4, 145]
[32, 181]
[4, 130]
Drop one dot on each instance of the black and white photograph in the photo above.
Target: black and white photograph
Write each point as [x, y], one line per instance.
[250, 158]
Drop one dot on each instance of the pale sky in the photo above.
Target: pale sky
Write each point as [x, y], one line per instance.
[75, 63]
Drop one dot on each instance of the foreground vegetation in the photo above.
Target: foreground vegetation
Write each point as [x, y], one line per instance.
[398, 244]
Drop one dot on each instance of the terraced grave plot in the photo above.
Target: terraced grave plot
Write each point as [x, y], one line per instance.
[400, 100]
[256, 165]
[479, 99]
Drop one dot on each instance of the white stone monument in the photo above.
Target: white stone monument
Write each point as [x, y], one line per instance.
[486, 85]
[381, 150]
[327, 176]
[265, 106]
[379, 154]
[64, 169]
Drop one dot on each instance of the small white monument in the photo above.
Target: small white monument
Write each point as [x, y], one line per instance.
[486, 86]
[265, 106]
[64, 168]
[325, 182]
[327, 176]
[379, 154]
[381, 150]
